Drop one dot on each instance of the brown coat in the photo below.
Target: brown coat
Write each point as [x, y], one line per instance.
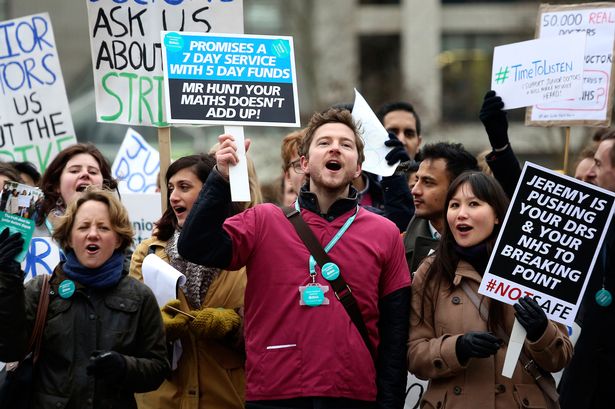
[210, 374]
[478, 384]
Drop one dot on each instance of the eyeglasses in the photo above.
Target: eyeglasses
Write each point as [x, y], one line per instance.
[296, 166]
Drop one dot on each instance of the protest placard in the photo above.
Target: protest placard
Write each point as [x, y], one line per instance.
[144, 209]
[19, 205]
[42, 257]
[374, 136]
[35, 120]
[230, 79]
[549, 242]
[535, 71]
[597, 22]
[126, 55]
[136, 165]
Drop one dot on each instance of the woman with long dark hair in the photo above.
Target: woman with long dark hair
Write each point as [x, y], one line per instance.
[457, 348]
[210, 370]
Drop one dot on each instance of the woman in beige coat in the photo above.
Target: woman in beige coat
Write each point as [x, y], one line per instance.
[451, 344]
[210, 370]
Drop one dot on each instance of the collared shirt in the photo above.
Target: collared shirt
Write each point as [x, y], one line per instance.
[434, 233]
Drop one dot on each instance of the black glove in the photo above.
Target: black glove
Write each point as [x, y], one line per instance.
[494, 119]
[398, 153]
[107, 365]
[476, 345]
[10, 246]
[532, 317]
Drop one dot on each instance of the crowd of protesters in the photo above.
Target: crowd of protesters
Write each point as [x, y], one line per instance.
[323, 298]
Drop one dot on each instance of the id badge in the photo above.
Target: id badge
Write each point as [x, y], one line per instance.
[313, 295]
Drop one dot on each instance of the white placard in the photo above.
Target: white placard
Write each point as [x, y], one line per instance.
[597, 23]
[144, 209]
[539, 71]
[374, 136]
[126, 55]
[161, 278]
[136, 165]
[35, 119]
[42, 257]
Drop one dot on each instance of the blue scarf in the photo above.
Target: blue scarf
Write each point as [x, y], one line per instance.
[107, 275]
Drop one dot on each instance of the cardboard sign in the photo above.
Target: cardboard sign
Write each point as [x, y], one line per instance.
[549, 242]
[374, 136]
[42, 257]
[597, 22]
[136, 165]
[126, 55]
[230, 79]
[144, 209]
[535, 71]
[35, 120]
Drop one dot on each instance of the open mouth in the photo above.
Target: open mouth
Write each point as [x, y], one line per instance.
[92, 248]
[333, 165]
[464, 228]
[179, 209]
[81, 188]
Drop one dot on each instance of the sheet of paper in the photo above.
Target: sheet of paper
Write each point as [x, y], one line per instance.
[161, 278]
[238, 174]
[374, 135]
[515, 344]
[539, 71]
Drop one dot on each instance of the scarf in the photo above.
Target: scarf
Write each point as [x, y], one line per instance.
[476, 255]
[107, 275]
[198, 278]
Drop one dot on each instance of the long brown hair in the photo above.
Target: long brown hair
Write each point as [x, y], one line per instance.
[444, 265]
[51, 178]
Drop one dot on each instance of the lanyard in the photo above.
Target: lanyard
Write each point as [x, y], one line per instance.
[335, 239]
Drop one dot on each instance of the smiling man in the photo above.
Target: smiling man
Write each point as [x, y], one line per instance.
[304, 354]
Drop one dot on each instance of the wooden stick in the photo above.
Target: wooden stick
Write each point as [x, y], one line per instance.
[164, 148]
[177, 310]
[566, 148]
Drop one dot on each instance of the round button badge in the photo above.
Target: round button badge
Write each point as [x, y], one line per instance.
[604, 297]
[66, 289]
[330, 271]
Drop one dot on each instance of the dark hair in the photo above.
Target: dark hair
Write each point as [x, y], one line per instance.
[29, 169]
[331, 115]
[201, 165]
[607, 136]
[444, 264]
[8, 170]
[400, 106]
[51, 178]
[457, 158]
[118, 216]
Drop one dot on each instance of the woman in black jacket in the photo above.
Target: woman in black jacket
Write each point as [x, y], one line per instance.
[103, 339]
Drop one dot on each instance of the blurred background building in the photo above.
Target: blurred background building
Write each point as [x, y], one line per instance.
[434, 54]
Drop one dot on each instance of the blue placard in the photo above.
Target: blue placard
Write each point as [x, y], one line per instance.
[230, 79]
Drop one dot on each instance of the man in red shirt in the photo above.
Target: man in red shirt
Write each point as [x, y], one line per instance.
[299, 354]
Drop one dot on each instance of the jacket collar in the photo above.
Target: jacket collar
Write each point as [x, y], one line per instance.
[309, 201]
[465, 270]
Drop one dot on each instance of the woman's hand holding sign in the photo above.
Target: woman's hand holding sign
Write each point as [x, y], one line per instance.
[532, 317]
